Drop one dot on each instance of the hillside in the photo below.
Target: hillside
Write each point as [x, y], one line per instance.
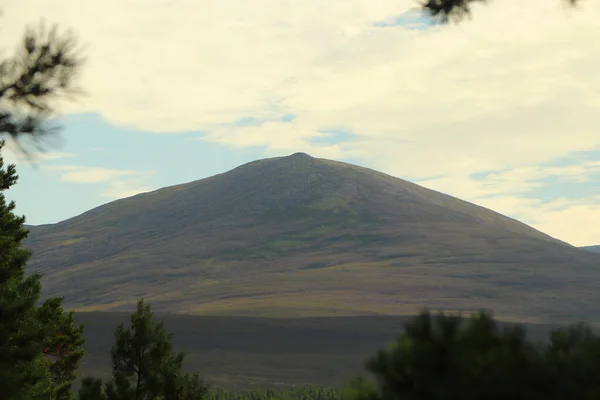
[298, 236]
[595, 249]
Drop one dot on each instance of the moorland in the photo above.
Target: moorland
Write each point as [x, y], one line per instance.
[253, 353]
[299, 236]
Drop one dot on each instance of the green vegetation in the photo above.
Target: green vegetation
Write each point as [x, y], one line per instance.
[435, 357]
[40, 346]
[447, 357]
[408, 248]
[144, 365]
[302, 393]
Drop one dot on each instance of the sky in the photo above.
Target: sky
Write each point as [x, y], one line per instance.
[502, 110]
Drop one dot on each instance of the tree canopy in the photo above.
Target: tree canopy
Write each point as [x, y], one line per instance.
[144, 365]
[448, 357]
[40, 346]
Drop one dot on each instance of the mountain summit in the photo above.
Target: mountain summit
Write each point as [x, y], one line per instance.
[299, 235]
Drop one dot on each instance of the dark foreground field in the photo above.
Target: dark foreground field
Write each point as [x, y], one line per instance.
[250, 352]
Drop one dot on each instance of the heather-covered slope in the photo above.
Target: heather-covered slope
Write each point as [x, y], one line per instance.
[304, 236]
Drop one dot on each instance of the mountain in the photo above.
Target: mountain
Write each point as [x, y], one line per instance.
[301, 236]
[595, 249]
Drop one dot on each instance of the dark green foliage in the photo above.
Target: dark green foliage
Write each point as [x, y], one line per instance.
[445, 11]
[43, 69]
[40, 346]
[300, 393]
[20, 338]
[443, 358]
[145, 366]
[63, 345]
[91, 389]
[143, 359]
[185, 386]
[574, 363]
[448, 357]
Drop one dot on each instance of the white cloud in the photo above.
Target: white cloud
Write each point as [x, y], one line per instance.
[509, 192]
[579, 221]
[119, 189]
[574, 220]
[513, 89]
[83, 174]
[513, 181]
[11, 154]
[52, 155]
[119, 183]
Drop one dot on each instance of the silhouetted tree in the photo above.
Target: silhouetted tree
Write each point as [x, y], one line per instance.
[185, 386]
[573, 360]
[91, 389]
[44, 68]
[145, 366]
[40, 346]
[447, 357]
[63, 345]
[445, 11]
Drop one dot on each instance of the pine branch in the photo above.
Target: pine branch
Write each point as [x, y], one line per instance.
[43, 69]
[445, 11]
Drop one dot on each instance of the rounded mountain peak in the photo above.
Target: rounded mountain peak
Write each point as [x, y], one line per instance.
[300, 156]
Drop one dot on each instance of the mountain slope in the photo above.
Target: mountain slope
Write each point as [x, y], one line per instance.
[595, 249]
[303, 236]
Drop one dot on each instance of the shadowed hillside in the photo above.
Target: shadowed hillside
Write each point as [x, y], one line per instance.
[298, 236]
[595, 249]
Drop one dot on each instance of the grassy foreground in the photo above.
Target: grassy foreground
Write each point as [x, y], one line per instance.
[300, 393]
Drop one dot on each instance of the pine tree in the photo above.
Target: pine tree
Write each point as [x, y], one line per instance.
[447, 357]
[63, 345]
[185, 387]
[193, 387]
[20, 337]
[145, 366]
[91, 389]
[40, 346]
[43, 69]
[573, 363]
